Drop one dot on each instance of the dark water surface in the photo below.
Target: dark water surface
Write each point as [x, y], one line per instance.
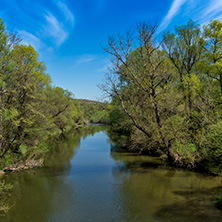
[83, 181]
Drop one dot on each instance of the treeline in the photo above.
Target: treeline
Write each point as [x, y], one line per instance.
[167, 93]
[31, 109]
[94, 111]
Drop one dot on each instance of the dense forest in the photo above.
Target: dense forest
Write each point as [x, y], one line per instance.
[31, 109]
[167, 93]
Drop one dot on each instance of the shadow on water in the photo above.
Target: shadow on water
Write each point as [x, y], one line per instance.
[155, 192]
[136, 166]
[196, 206]
[136, 163]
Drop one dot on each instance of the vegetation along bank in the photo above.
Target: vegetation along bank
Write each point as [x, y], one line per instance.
[167, 93]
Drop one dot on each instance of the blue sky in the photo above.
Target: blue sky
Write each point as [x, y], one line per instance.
[68, 34]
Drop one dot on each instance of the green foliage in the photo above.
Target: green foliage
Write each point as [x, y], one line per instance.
[185, 154]
[31, 110]
[94, 112]
[211, 146]
[8, 160]
[218, 201]
[100, 116]
[168, 99]
[64, 111]
[213, 136]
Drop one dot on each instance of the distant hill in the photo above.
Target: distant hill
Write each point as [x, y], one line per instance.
[94, 111]
[90, 102]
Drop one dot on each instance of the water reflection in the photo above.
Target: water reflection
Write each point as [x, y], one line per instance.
[154, 192]
[83, 181]
[40, 194]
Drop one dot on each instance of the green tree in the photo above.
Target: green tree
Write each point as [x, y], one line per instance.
[212, 62]
[31, 110]
[64, 112]
[170, 94]
[141, 79]
[184, 49]
[23, 98]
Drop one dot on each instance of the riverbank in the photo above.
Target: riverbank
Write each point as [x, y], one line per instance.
[123, 144]
[37, 159]
[24, 165]
[199, 167]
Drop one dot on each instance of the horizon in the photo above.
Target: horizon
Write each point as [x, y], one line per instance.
[69, 35]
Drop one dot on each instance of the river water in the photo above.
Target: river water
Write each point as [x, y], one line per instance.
[83, 181]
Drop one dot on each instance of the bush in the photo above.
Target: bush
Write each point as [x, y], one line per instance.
[184, 154]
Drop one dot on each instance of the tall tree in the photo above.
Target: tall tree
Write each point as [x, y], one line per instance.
[23, 97]
[212, 62]
[184, 49]
[140, 79]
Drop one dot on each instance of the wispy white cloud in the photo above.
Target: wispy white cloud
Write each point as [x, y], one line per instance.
[201, 11]
[219, 17]
[174, 9]
[37, 20]
[83, 59]
[212, 11]
[30, 39]
[55, 29]
[214, 7]
[66, 11]
[104, 64]
[104, 68]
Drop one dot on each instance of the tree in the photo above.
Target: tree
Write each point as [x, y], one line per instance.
[31, 110]
[23, 98]
[212, 62]
[184, 49]
[64, 112]
[141, 78]
[170, 91]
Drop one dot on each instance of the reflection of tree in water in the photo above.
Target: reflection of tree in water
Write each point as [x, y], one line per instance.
[134, 162]
[90, 130]
[33, 195]
[118, 140]
[4, 195]
[150, 191]
[196, 206]
[65, 148]
[44, 192]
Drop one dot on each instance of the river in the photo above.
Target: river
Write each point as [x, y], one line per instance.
[83, 181]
